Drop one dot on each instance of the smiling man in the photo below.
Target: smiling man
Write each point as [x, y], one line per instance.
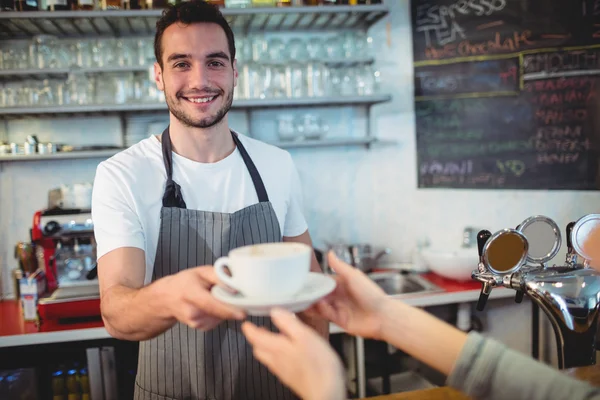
[167, 207]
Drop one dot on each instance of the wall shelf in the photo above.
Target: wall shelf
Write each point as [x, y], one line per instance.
[37, 73]
[15, 25]
[73, 155]
[18, 112]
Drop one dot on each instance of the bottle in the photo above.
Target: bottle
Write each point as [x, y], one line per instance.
[59, 5]
[73, 390]
[22, 5]
[58, 385]
[111, 4]
[284, 3]
[218, 3]
[263, 3]
[83, 5]
[84, 383]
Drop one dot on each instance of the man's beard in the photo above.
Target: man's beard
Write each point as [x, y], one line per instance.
[205, 122]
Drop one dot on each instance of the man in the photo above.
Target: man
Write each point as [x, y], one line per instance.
[167, 207]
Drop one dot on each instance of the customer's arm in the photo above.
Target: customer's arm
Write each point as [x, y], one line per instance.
[486, 369]
[483, 369]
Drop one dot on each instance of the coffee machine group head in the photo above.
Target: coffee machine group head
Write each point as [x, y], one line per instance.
[569, 294]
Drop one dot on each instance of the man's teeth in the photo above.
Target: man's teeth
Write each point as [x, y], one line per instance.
[202, 100]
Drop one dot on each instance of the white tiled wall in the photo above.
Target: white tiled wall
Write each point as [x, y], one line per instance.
[351, 194]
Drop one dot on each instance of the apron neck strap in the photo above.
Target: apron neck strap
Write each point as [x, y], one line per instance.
[173, 197]
[259, 186]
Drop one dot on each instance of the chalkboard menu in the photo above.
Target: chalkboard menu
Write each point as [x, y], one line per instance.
[506, 93]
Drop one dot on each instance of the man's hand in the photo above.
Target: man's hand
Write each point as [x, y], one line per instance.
[192, 303]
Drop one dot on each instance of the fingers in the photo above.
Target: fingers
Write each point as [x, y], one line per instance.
[340, 267]
[262, 338]
[214, 307]
[208, 274]
[288, 324]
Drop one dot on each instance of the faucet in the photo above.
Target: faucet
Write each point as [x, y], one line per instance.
[569, 294]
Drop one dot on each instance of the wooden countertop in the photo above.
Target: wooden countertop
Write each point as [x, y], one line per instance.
[590, 374]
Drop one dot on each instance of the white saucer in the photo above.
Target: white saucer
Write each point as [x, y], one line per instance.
[317, 286]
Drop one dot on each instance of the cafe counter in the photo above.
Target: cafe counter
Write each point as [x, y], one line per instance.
[590, 374]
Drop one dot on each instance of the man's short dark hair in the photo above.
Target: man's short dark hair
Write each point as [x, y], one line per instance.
[189, 12]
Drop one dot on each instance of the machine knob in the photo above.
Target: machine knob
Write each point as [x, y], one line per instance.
[483, 296]
[519, 296]
[482, 237]
[51, 228]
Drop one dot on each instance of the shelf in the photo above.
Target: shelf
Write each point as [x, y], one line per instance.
[366, 141]
[36, 73]
[14, 25]
[238, 104]
[68, 155]
[333, 142]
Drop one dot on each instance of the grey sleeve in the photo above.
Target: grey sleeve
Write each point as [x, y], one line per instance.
[486, 369]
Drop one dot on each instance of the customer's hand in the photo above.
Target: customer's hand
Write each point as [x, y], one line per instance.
[192, 303]
[357, 303]
[301, 358]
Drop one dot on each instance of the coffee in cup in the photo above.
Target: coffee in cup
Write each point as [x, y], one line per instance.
[270, 270]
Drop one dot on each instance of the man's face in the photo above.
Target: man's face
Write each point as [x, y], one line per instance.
[198, 74]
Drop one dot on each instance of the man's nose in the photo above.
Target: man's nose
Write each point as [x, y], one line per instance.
[199, 77]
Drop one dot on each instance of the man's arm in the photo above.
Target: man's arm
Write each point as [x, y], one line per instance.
[131, 311]
[318, 324]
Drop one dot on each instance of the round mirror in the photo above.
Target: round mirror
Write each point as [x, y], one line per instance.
[586, 238]
[543, 236]
[505, 251]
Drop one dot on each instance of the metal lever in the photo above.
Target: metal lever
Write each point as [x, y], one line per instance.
[519, 296]
[482, 238]
[483, 296]
[571, 257]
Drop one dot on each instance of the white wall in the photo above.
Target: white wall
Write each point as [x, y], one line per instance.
[351, 194]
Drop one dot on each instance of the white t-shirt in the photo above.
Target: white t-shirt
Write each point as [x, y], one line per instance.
[129, 187]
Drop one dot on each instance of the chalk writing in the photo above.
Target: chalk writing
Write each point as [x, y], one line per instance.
[439, 23]
[596, 11]
[557, 99]
[559, 132]
[557, 158]
[490, 147]
[562, 145]
[463, 134]
[547, 85]
[516, 167]
[501, 43]
[574, 60]
[447, 168]
[480, 180]
[553, 117]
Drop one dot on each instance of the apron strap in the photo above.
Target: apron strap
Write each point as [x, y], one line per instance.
[259, 186]
[173, 197]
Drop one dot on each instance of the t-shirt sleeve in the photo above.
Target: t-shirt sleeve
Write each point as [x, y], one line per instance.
[116, 223]
[295, 223]
[486, 369]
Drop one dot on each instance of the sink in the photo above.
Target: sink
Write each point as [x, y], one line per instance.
[454, 264]
[395, 283]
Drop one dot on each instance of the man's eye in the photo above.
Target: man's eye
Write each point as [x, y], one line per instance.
[216, 64]
[181, 65]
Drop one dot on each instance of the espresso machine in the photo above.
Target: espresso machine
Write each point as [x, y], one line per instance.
[569, 294]
[65, 239]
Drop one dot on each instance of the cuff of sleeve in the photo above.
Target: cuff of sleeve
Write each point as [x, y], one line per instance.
[475, 366]
[295, 230]
[110, 243]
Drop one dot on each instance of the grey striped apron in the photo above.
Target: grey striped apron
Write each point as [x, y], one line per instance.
[185, 363]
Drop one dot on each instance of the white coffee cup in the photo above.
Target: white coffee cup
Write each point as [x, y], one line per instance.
[271, 270]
